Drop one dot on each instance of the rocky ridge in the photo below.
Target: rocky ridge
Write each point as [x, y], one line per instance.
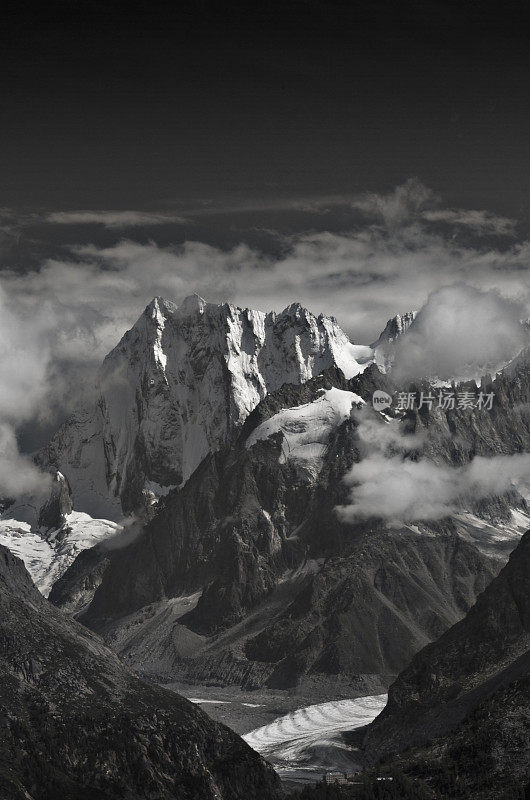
[77, 724]
[462, 703]
[48, 537]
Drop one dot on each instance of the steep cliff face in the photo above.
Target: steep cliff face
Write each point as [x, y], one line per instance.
[481, 653]
[77, 724]
[52, 515]
[384, 347]
[232, 523]
[394, 328]
[364, 614]
[455, 436]
[177, 385]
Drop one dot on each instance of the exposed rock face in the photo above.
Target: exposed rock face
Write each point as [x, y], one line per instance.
[47, 534]
[48, 553]
[228, 526]
[394, 328]
[77, 724]
[53, 513]
[486, 756]
[470, 687]
[176, 386]
[384, 347]
[365, 613]
[485, 650]
[73, 591]
[455, 436]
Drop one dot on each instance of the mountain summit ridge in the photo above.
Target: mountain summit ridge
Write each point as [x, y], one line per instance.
[176, 386]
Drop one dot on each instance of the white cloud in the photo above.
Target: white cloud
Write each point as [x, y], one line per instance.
[18, 474]
[399, 206]
[479, 221]
[113, 219]
[24, 362]
[412, 201]
[388, 484]
[460, 333]
[398, 489]
[24, 355]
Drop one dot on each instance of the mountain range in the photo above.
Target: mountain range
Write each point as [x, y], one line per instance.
[194, 524]
[175, 388]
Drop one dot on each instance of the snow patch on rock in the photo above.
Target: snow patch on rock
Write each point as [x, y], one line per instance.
[305, 429]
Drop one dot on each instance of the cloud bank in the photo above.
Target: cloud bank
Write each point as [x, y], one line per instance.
[18, 473]
[73, 307]
[400, 490]
[460, 333]
[388, 484]
[25, 356]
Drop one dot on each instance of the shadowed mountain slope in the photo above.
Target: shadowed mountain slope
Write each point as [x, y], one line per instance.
[278, 587]
[469, 691]
[76, 724]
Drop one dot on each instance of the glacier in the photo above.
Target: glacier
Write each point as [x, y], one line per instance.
[305, 430]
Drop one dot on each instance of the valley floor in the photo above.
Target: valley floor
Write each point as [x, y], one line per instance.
[301, 739]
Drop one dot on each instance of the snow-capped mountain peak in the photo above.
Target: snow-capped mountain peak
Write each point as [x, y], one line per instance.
[395, 327]
[175, 387]
[384, 347]
[193, 304]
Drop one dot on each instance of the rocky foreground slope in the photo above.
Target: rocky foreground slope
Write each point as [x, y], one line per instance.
[76, 724]
[463, 703]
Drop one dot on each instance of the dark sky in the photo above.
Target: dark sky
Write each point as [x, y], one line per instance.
[111, 105]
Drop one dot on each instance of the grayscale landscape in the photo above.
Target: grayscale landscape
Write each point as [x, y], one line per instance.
[265, 402]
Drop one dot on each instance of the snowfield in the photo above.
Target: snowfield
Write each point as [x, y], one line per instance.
[306, 429]
[48, 556]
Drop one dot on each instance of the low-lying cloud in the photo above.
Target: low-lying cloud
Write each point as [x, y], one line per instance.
[398, 489]
[24, 360]
[18, 473]
[389, 484]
